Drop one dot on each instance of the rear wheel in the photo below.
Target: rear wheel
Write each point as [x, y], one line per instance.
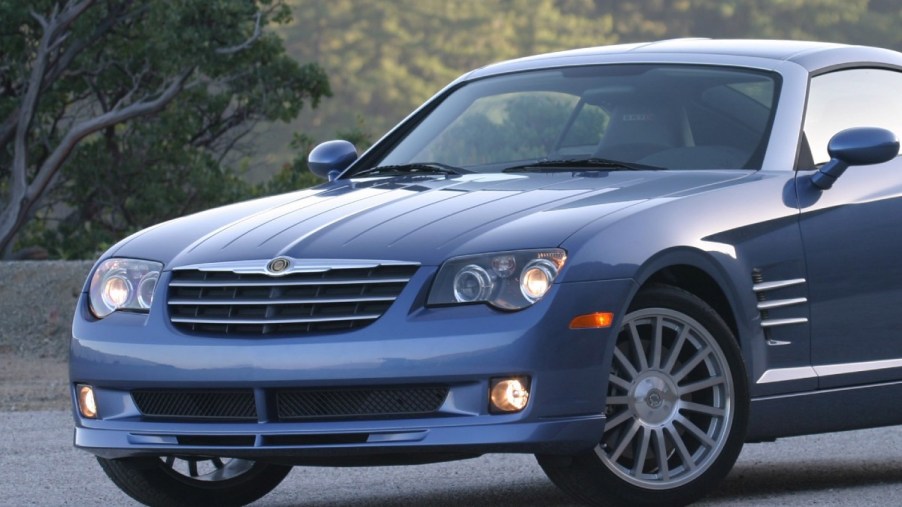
[677, 405]
[177, 481]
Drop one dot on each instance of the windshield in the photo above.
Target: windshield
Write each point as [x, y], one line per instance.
[662, 116]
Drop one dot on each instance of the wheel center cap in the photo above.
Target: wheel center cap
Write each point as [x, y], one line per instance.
[654, 398]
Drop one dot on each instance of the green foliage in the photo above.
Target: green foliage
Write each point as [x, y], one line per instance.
[385, 58]
[296, 175]
[175, 161]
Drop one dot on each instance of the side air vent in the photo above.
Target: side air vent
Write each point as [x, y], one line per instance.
[784, 295]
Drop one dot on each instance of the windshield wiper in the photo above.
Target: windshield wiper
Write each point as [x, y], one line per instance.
[413, 168]
[599, 164]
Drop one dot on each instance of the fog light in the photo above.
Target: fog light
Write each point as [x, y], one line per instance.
[86, 404]
[509, 394]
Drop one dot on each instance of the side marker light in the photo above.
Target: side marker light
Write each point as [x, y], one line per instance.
[596, 320]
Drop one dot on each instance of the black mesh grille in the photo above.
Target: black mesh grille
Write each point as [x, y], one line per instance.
[218, 404]
[224, 302]
[384, 401]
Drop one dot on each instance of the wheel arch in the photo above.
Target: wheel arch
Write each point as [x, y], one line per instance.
[702, 274]
[699, 283]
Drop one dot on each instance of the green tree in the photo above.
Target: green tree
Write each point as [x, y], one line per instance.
[199, 75]
[386, 58]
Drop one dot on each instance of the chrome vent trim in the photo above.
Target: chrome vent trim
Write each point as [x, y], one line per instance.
[781, 303]
[779, 284]
[763, 289]
[783, 322]
[303, 296]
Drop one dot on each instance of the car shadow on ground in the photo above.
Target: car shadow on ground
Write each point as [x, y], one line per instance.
[761, 479]
[749, 483]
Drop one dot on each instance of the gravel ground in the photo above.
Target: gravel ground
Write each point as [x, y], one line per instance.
[37, 301]
[32, 383]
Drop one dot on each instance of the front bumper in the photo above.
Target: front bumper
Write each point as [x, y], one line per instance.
[461, 347]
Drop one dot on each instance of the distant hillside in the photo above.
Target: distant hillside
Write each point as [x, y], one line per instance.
[385, 58]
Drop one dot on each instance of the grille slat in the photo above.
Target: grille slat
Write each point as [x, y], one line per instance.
[252, 302]
[215, 300]
[276, 282]
[251, 322]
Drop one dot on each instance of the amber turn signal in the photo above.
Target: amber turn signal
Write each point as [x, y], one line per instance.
[592, 320]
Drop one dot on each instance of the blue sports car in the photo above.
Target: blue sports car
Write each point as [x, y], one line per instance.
[626, 260]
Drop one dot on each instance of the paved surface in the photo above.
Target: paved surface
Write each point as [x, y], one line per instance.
[39, 466]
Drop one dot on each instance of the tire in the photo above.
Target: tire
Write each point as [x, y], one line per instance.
[675, 421]
[193, 481]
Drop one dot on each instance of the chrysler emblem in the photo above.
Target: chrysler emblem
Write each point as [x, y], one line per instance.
[278, 265]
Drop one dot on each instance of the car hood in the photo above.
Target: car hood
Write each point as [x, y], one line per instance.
[424, 219]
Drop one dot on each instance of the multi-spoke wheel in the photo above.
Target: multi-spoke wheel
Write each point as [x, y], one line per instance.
[677, 405]
[172, 481]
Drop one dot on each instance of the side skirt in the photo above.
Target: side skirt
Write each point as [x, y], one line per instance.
[848, 408]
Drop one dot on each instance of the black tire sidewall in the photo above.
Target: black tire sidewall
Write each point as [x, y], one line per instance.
[148, 481]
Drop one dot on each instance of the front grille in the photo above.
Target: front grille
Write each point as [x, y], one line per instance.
[320, 298]
[359, 402]
[236, 405]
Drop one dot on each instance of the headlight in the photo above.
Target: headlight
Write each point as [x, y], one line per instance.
[508, 280]
[123, 284]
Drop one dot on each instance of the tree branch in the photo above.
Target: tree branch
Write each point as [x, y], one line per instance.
[62, 63]
[246, 44]
[108, 119]
[23, 198]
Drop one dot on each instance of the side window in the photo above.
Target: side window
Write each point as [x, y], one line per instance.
[851, 98]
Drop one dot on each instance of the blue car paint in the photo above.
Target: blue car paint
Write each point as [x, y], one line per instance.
[619, 231]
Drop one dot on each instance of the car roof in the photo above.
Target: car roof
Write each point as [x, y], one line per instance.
[813, 56]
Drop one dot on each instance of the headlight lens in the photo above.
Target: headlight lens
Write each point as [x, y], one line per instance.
[123, 284]
[507, 280]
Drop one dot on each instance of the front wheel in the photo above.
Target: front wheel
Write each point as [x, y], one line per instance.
[177, 481]
[677, 408]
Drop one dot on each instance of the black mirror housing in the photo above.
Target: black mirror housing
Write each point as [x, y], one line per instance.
[330, 158]
[855, 146]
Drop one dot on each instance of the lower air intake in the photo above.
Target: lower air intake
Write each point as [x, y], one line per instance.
[352, 403]
[235, 405]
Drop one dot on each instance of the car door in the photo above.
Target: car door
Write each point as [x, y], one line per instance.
[852, 234]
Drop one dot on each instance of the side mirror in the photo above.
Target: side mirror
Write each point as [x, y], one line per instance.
[856, 146]
[330, 158]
